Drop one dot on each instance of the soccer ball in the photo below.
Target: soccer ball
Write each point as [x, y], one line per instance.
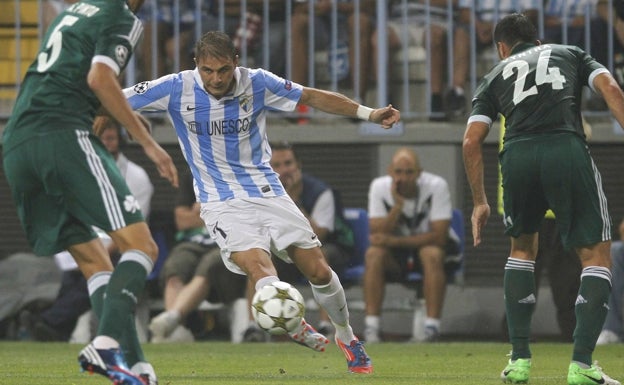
[278, 308]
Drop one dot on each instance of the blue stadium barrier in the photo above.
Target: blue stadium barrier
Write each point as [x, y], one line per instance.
[357, 218]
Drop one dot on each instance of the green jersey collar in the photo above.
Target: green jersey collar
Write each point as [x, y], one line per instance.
[521, 47]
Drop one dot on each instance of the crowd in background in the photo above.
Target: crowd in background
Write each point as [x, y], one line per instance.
[398, 51]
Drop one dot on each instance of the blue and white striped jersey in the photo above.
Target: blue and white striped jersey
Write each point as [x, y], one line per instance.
[224, 141]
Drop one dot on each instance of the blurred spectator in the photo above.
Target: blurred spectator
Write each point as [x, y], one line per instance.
[114, 139]
[193, 270]
[248, 29]
[409, 214]
[56, 322]
[486, 13]
[613, 329]
[51, 9]
[601, 28]
[417, 11]
[342, 63]
[566, 17]
[157, 50]
[323, 208]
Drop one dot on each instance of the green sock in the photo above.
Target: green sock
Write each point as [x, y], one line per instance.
[124, 289]
[519, 287]
[97, 287]
[130, 344]
[591, 311]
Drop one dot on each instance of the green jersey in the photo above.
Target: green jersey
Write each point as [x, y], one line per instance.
[54, 94]
[537, 89]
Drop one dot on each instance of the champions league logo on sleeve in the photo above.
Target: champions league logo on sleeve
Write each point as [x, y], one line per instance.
[141, 88]
[121, 55]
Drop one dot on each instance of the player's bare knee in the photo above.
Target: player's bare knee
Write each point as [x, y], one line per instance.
[147, 246]
[151, 249]
[320, 275]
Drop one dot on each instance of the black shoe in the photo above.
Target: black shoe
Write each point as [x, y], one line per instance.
[254, 335]
[437, 109]
[46, 333]
[33, 327]
[455, 104]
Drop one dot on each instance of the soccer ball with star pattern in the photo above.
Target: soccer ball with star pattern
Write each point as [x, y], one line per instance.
[278, 308]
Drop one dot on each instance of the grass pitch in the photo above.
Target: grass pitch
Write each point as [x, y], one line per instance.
[466, 363]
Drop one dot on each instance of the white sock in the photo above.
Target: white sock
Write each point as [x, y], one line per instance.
[98, 280]
[345, 334]
[175, 314]
[372, 322]
[139, 257]
[331, 297]
[432, 323]
[262, 282]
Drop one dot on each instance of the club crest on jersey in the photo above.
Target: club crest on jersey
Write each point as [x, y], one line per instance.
[246, 102]
[141, 88]
[131, 205]
[121, 55]
[288, 85]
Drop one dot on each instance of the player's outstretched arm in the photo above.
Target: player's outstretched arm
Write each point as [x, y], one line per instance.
[335, 103]
[103, 81]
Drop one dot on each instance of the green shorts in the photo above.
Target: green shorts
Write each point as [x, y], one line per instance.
[554, 171]
[63, 183]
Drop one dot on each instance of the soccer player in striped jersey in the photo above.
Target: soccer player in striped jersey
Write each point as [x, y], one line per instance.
[545, 163]
[64, 181]
[218, 111]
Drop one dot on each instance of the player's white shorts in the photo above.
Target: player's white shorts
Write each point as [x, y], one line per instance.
[272, 224]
